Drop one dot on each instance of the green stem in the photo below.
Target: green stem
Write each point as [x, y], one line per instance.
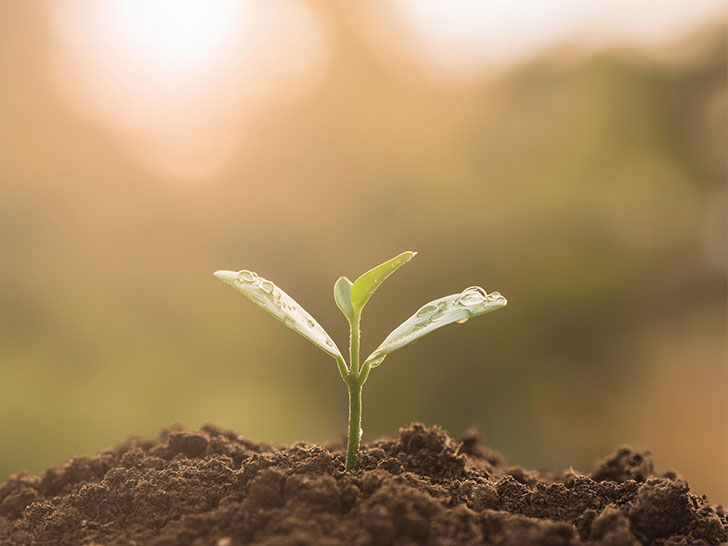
[354, 334]
[354, 384]
[352, 449]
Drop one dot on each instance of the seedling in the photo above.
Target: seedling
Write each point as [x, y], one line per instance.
[351, 299]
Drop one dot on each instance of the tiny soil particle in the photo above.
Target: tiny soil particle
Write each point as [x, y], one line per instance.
[214, 487]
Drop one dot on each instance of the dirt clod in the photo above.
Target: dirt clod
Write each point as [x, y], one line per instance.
[214, 487]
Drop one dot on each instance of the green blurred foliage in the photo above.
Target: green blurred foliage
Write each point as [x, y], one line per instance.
[590, 192]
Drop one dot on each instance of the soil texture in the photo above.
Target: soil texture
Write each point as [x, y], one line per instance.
[215, 487]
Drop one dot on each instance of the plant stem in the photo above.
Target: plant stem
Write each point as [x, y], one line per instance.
[354, 334]
[354, 384]
[352, 449]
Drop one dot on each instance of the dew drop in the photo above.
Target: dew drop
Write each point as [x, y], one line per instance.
[426, 310]
[472, 296]
[476, 289]
[267, 287]
[247, 276]
[463, 321]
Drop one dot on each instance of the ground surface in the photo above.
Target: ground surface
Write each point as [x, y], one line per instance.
[214, 487]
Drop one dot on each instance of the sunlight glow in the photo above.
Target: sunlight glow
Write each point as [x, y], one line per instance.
[469, 33]
[176, 79]
[174, 35]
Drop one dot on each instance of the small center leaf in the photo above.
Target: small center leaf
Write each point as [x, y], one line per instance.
[366, 285]
[342, 295]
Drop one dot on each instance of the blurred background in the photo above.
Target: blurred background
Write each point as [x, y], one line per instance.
[569, 155]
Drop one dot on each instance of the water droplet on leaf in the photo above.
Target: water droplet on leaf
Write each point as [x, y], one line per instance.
[247, 276]
[472, 296]
[426, 310]
[480, 290]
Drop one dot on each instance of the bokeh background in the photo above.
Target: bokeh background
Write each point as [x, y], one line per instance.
[569, 155]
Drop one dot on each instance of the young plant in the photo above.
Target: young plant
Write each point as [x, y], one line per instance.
[351, 297]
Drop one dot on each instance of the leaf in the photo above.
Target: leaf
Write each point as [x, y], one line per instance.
[471, 302]
[365, 286]
[342, 295]
[281, 306]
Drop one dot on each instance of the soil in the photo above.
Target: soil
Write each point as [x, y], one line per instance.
[215, 487]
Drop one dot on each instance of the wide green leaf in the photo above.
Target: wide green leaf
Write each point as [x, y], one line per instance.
[366, 285]
[342, 296]
[282, 306]
[469, 303]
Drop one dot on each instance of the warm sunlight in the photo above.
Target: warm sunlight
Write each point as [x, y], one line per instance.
[177, 78]
[464, 33]
[174, 36]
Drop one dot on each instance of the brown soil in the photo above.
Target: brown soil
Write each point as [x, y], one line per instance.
[214, 487]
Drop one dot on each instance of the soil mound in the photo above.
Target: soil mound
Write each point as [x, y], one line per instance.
[215, 487]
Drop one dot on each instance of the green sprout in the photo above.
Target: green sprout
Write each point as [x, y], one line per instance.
[351, 299]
